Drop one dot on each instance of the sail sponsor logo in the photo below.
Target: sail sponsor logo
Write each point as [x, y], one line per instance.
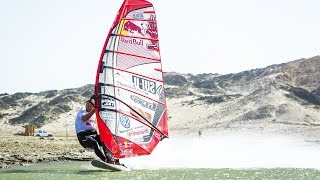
[108, 116]
[143, 103]
[138, 15]
[131, 87]
[138, 133]
[125, 144]
[132, 41]
[144, 84]
[127, 152]
[108, 103]
[125, 121]
[152, 31]
[125, 148]
[124, 131]
[148, 29]
[132, 28]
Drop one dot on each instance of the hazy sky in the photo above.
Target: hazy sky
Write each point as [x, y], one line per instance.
[56, 44]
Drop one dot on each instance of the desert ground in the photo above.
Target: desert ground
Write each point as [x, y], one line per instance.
[21, 150]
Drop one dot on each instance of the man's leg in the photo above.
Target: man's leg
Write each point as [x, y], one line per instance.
[90, 142]
[109, 155]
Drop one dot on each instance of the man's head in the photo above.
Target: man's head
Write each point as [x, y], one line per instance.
[89, 105]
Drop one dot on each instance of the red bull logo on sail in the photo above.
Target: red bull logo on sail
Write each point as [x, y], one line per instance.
[148, 29]
[131, 41]
[131, 27]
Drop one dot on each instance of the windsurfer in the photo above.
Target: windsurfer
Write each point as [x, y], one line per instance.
[86, 130]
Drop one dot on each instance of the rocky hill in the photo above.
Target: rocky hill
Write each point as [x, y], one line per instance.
[279, 98]
[52, 109]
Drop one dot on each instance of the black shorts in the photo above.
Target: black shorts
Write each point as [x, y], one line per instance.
[88, 137]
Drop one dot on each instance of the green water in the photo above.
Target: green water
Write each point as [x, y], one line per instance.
[84, 170]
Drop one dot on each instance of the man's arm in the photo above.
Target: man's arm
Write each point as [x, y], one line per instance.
[87, 116]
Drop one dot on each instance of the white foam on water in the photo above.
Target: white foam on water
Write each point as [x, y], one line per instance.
[230, 151]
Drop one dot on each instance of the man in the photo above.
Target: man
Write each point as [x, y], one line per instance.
[85, 125]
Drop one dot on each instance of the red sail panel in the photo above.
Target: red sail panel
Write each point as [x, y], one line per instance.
[131, 109]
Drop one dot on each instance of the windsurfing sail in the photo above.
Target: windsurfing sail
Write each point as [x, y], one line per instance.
[131, 107]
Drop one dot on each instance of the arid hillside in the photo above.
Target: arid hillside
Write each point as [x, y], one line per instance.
[282, 98]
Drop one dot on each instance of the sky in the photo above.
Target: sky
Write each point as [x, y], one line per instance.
[56, 44]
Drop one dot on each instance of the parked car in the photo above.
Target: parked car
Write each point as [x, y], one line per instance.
[43, 133]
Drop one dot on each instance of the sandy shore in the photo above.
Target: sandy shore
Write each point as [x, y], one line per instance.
[20, 150]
